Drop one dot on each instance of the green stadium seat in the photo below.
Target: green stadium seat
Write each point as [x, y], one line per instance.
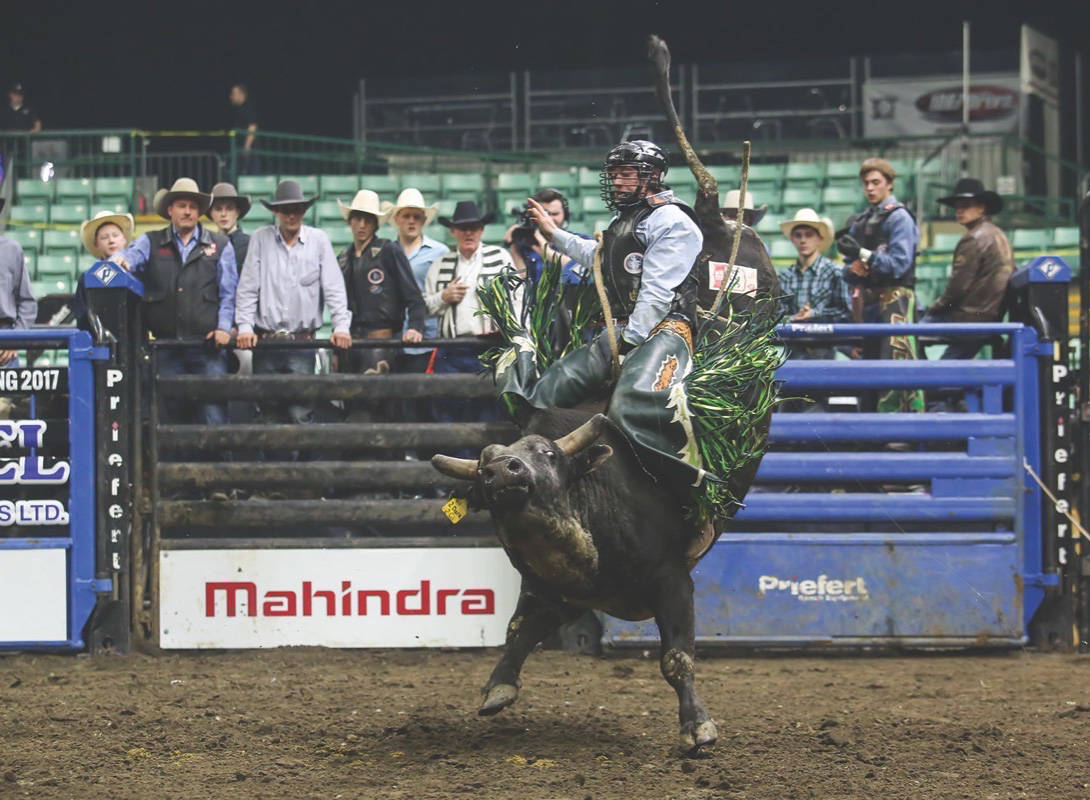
[30, 212]
[931, 272]
[30, 259]
[68, 213]
[727, 177]
[59, 265]
[768, 226]
[308, 183]
[328, 210]
[796, 198]
[601, 223]
[113, 190]
[386, 186]
[41, 288]
[799, 175]
[515, 182]
[345, 186]
[1031, 240]
[258, 216]
[839, 195]
[463, 186]
[1065, 238]
[563, 179]
[590, 179]
[74, 189]
[493, 233]
[842, 170]
[446, 208]
[257, 186]
[113, 205]
[66, 241]
[944, 243]
[783, 252]
[32, 190]
[339, 235]
[30, 239]
[593, 206]
[387, 232]
[426, 183]
[838, 213]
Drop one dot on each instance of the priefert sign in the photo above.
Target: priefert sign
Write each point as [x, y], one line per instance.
[402, 597]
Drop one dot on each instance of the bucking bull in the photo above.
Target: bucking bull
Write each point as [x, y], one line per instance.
[586, 526]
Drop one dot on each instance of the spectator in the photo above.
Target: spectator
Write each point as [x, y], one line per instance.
[879, 249]
[410, 215]
[244, 118]
[290, 271]
[529, 250]
[18, 308]
[380, 284]
[751, 214]
[813, 287]
[18, 117]
[228, 207]
[103, 235]
[451, 292]
[190, 277]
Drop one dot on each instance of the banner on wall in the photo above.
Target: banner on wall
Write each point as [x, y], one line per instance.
[929, 106]
[1040, 65]
[397, 597]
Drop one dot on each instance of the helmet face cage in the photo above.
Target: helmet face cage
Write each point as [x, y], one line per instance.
[650, 164]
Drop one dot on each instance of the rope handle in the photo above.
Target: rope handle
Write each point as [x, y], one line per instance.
[607, 311]
[729, 274]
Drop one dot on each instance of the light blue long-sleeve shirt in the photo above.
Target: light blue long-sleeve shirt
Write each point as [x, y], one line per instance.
[429, 250]
[673, 242]
[895, 258]
[138, 253]
[17, 302]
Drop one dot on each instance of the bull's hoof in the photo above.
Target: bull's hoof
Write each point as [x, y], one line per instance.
[499, 697]
[694, 737]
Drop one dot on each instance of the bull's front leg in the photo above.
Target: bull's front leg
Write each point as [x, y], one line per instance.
[674, 616]
[533, 620]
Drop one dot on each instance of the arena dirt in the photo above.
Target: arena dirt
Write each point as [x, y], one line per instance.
[302, 723]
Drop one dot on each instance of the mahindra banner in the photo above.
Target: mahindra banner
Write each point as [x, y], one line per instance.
[927, 106]
[402, 597]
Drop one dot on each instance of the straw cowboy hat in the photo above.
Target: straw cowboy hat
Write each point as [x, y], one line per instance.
[755, 214]
[466, 214]
[88, 230]
[227, 191]
[411, 198]
[288, 193]
[365, 201]
[183, 187]
[973, 189]
[810, 218]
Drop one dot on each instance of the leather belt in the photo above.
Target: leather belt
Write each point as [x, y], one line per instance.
[283, 335]
[377, 333]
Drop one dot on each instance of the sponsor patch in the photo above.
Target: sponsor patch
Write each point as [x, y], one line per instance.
[210, 250]
[105, 274]
[744, 280]
[376, 276]
[633, 263]
[819, 589]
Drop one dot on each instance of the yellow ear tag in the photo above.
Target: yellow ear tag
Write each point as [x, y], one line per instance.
[455, 509]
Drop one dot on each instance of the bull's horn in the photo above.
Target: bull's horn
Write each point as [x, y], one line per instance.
[583, 436]
[462, 468]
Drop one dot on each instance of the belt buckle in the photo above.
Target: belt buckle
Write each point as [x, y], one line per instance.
[280, 334]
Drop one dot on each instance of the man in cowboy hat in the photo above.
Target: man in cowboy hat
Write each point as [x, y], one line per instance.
[228, 207]
[982, 266]
[102, 235]
[879, 246]
[751, 214]
[190, 276]
[410, 215]
[451, 292]
[290, 271]
[380, 283]
[18, 308]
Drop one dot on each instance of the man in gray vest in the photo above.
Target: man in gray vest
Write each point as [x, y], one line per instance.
[190, 276]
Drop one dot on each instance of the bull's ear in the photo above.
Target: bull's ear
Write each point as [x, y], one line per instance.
[592, 458]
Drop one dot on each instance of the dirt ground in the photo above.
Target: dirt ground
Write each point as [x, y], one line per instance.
[301, 723]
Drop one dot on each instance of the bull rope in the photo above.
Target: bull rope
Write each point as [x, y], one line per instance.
[607, 312]
[738, 233]
[1074, 522]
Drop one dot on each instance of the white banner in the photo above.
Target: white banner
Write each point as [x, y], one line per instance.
[402, 597]
[34, 595]
[927, 106]
[1040, 65]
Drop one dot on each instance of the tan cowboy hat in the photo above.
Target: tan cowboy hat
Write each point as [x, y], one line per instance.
[365, 201]
[755, 215]
[810, 218]
[88, 230]
[183, 187]
[227, 191]
[411, 198]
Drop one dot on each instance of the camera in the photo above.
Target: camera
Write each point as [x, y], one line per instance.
[523, 233]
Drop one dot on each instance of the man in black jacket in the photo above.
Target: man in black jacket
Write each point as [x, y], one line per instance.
[380, 284]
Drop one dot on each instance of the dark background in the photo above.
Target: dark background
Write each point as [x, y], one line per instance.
[168, 65]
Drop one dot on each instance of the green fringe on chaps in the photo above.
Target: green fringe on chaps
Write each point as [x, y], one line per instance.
[696, 417]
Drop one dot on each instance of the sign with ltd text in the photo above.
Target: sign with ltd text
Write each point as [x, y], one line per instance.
[388, 597]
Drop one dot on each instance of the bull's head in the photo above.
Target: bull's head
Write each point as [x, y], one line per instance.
[507, 476]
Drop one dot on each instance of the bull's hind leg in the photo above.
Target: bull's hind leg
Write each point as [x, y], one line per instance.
[674, 615]
[533, 620]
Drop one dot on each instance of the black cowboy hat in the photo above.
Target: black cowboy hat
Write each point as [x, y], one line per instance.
[288, 193]
[466, 215]
[973, 189]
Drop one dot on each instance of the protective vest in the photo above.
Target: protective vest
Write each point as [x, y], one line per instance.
[868, 228]
[182, 300]
[377, 285]
[622, 263]
[241, 242]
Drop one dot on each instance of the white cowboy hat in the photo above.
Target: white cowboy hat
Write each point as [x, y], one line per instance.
[755, 213]
[365, 201]
[88, 229]
[810, 218]
[411, 198]
[183, 187]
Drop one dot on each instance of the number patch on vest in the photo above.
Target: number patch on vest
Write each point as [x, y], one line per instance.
[633, 263]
